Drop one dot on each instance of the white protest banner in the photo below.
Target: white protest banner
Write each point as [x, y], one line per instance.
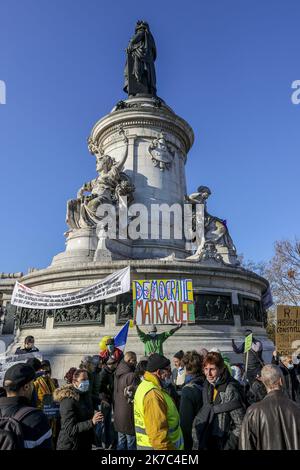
[112, 285]
[8, 361]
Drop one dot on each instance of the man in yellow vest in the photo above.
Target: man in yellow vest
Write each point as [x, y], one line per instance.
[156, 417]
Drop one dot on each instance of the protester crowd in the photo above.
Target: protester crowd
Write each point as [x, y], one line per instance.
[114, 401]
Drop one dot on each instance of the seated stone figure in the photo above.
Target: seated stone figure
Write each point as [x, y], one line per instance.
[105, 189]
[215, 229]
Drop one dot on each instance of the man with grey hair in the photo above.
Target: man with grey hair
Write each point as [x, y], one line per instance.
[274, 422]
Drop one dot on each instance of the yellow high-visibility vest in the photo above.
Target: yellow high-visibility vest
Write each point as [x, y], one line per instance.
[174, 433]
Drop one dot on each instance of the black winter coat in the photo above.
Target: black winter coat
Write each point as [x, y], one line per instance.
[291, 382]
[291, 379]
[76, 411]
[123, 411]
[272, 424]
[218, 423]
[257, 392]
[106, 384]
[35, 425]
[190, 404]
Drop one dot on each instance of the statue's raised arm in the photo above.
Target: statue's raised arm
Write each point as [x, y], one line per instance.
[124, 156]
[86, 188]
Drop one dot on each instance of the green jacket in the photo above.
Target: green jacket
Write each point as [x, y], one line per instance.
[154, 344]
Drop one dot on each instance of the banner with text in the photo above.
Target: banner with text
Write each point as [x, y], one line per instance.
[288, 330]
[161, 301]
[114, 284]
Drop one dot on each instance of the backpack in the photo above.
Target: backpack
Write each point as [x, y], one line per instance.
[11, 433]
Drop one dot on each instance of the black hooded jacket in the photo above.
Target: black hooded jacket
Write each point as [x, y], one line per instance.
[190, 403]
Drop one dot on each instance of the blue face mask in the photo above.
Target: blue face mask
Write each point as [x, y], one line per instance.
[83, 386]
[290, 366]
[111, 348]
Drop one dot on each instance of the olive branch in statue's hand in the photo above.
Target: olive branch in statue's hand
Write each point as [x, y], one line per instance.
[121, 131]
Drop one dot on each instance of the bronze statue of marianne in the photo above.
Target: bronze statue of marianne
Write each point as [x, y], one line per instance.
[139, 71]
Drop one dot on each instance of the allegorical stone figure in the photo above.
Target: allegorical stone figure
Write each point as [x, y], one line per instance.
[105, 189]
[215, 229]
[140, 77]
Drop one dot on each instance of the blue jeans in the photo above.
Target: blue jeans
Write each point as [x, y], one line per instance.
[103, 430]
[126, 442]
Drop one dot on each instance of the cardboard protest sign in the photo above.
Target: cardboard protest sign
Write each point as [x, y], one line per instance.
[248, 343]
[162, 301]
[287, 330]
[50, 407]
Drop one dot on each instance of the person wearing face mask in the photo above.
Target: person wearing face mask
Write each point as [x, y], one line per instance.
[255, 357]
[153, 342]
[218, 424]
[18, 385]
[291, 377]
[78, 418]
[94, 378]
[156, 418]
[111, 352]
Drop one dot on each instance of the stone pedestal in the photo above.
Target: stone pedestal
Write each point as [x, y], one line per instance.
[81, 245]
[159, 141]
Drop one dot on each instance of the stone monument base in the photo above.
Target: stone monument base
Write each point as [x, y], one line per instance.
[227, 301]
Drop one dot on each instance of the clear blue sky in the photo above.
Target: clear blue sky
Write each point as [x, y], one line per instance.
[226, 66]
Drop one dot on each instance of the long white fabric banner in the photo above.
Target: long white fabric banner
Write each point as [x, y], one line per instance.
[112, 285]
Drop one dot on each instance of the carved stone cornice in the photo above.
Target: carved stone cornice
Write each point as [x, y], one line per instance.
[154, 119]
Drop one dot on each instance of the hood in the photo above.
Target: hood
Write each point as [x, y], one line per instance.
[195, 379]
[153, 379]
[123, 368]
[66, 391]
